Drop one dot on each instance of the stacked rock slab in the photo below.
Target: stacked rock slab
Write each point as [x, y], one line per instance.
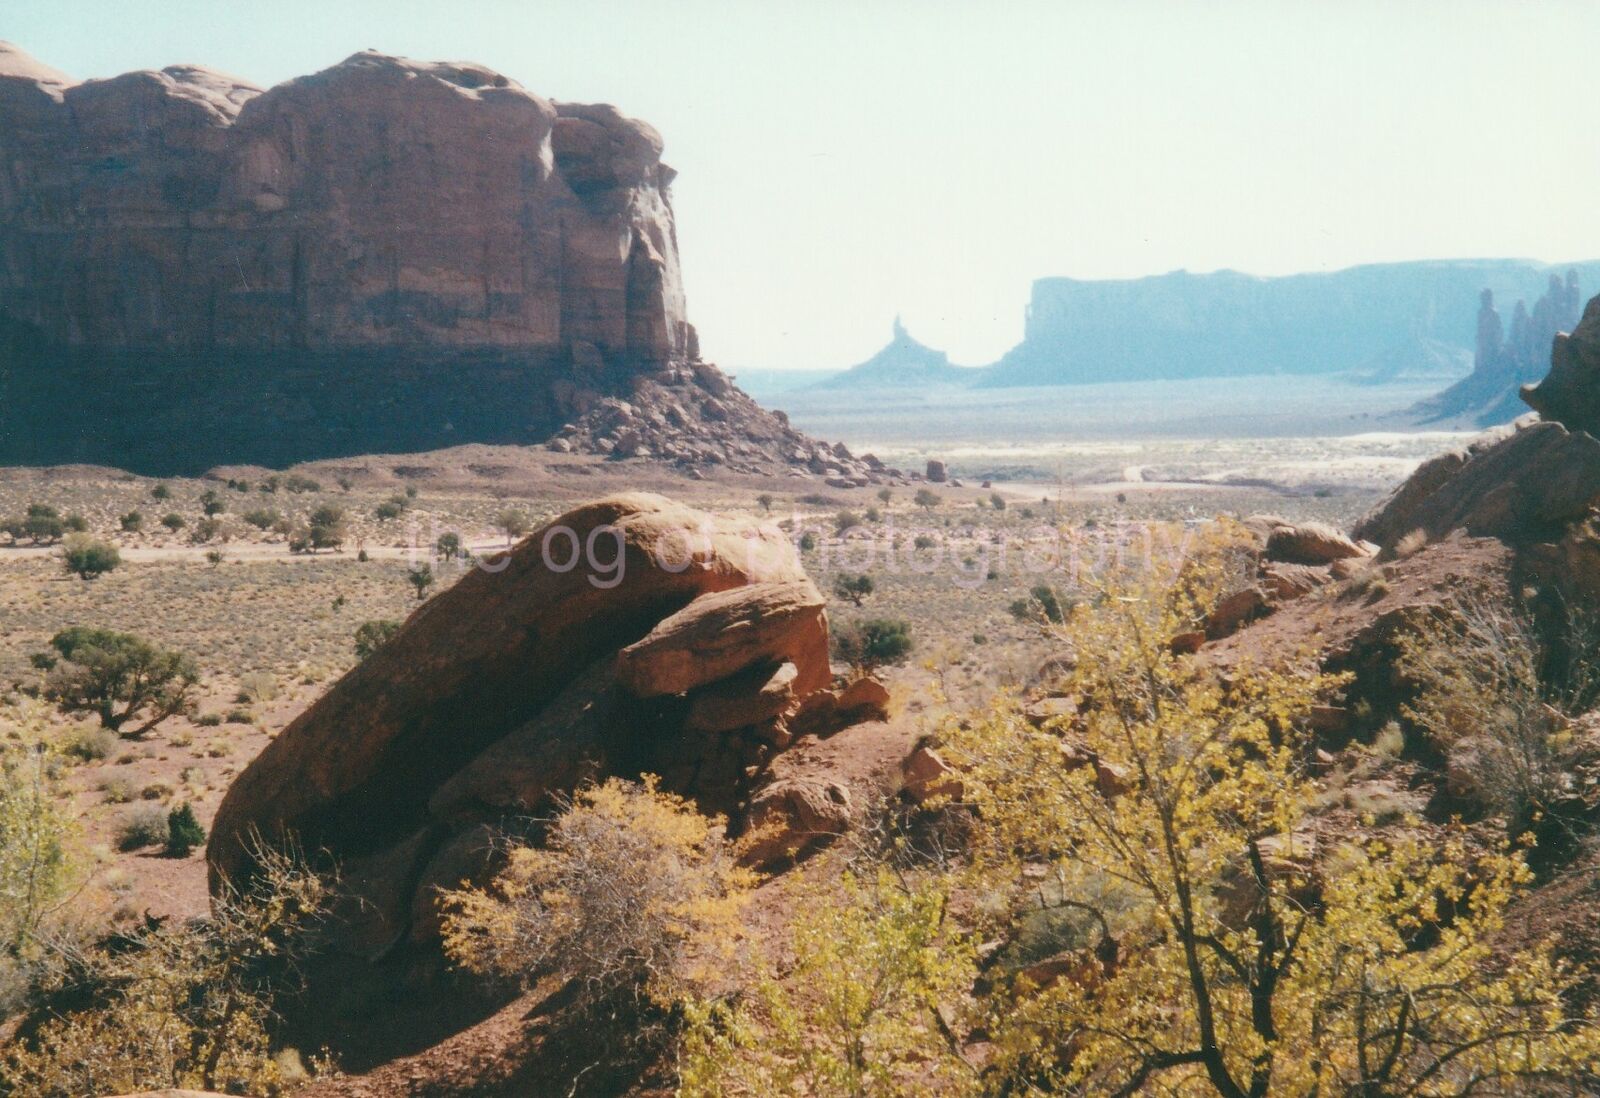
[386, 256]
[532, 675]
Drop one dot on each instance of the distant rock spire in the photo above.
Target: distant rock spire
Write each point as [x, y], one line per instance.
[1489, 332]
[900, 334]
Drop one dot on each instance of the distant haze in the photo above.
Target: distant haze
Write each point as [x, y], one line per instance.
[844, 162]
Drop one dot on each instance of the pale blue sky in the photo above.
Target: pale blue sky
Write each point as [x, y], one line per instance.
[844, 161]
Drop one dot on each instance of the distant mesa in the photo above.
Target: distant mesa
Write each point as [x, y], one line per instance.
[386, 256]
[902, 363]
[1375, 324]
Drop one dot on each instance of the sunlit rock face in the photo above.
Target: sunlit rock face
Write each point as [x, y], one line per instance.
[388, 254]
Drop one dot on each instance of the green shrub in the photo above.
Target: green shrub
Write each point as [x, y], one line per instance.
[1041, 605]
[161, 491]
[132, 522]
[421, 578]
[184, 832]
[808, 542]
[373, 635]
[42, 523]
[448, 546]
[853, 589]
[512, 522]
[75, 524]
[87, 558]
[873, 643]
[326, 528]
[391, 508]
[262, 518]
[173, 521]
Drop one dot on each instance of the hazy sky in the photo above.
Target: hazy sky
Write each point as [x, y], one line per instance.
[844, 161]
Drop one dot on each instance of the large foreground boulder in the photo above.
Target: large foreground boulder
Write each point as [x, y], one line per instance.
[631, 635]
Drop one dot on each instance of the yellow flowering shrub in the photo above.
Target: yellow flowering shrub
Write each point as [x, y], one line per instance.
[633, 889]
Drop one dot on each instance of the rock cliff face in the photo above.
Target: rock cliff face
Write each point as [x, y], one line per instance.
[386, 255]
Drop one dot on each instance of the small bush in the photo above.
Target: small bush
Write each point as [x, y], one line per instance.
[853, 589]
[808, 542]
[257, 687]
[634, 892]
[144, 826]
[845, 520]
[205, 530]
[262, 518]
[184, 832]
[326, 528]
[373, 635]
[173, 521]
[88, 558]
[161, 491]
[876, 642]
[1042, 605]
[209, 720]
[512, 522]
[117, 790]
[89, 743]
[132, 522]
[421, 578]
[75, 524]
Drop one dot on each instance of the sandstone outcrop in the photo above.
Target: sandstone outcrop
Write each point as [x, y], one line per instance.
[1570, 393]
[1521, 486]
[685, 652]
[386, 256]
[1312, 543]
